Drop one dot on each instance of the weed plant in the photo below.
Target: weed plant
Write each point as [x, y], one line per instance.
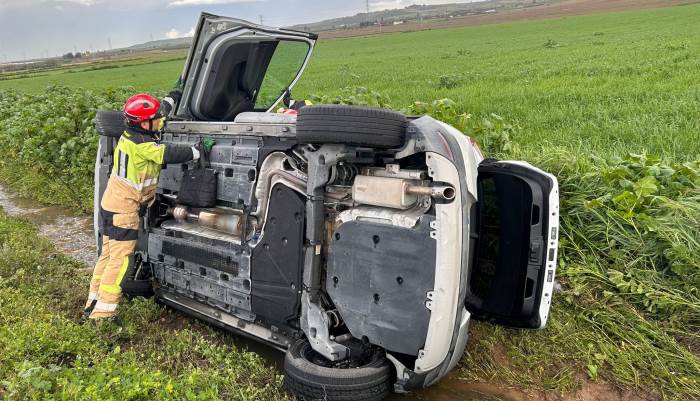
[154, 355]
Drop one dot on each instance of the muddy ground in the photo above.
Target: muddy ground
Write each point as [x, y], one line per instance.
[556, 10]
[71, 234]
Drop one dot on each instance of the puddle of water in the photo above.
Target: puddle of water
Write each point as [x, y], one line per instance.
[72, 234]
[451, 388]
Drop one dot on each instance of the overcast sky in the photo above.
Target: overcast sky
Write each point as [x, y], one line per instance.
[30, 28]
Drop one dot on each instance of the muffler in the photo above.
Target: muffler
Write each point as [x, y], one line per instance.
[396, 193]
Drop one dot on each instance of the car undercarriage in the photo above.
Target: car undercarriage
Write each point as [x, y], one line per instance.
[358, 240]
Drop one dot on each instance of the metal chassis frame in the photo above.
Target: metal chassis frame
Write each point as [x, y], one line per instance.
[279, 130]
[314, 320]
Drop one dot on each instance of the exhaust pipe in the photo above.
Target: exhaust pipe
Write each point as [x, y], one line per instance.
[444, 192]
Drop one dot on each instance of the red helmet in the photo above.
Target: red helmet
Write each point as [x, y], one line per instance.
[141, 107]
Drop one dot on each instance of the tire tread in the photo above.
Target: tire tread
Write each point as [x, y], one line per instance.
[351, 125]
[308, 382]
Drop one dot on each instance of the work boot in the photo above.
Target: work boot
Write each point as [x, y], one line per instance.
[86, 312]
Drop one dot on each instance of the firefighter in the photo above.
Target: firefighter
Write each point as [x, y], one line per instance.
[293, 106]
[131, 188]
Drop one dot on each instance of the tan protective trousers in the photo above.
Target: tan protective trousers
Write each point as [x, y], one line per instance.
[105, 286]
[118, 245]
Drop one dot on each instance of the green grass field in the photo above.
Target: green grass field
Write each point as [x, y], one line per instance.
[611, 83]
[608, 103]
[130, 70]
[47, 355]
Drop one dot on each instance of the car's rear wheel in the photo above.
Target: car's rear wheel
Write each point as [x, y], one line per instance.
[310, 376]
[351, 125]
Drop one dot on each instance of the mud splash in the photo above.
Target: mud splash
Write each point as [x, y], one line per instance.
[72, 234]
[452, 388]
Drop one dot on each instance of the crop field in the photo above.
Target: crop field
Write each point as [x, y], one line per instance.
[610, 83]
[140, 71]
[608, 103]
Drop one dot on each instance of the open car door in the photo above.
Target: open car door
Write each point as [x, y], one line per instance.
[236, 66]
[516, 237]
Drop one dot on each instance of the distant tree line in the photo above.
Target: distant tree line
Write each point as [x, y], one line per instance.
[71, 56]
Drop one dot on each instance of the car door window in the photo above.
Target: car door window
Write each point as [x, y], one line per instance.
[286, 62]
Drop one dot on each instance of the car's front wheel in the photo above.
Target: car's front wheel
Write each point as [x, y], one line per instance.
[310, 376]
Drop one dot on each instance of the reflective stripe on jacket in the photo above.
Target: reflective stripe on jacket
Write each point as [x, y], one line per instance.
[138, 160]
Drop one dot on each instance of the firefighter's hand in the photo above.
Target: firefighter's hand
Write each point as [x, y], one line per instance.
[167, 106]
[207, 143]
[176, 95]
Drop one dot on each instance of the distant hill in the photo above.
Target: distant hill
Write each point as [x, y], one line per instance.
[163, 44]
[418, 13]
[384, 17]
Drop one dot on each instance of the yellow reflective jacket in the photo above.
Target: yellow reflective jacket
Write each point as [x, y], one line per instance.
[138, 159]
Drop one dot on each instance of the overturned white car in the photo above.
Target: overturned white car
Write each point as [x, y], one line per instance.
[359, 241]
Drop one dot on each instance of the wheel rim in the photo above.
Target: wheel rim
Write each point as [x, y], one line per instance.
[315, 358]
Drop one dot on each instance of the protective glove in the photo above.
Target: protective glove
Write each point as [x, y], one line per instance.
[176, 95]
[299, 104]
[168, 103]
[207, 143]
[179, 84]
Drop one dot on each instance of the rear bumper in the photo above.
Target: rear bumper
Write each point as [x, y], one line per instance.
[451, 158]
[408, 380]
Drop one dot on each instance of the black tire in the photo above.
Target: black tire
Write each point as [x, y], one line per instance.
[351, 125]
[137, 279]
[309, 381]
[110, 123]
[137, 288]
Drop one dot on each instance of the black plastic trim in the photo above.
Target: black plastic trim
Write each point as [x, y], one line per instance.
[509, 291]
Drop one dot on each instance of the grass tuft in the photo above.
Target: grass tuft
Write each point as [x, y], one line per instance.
[45, 354]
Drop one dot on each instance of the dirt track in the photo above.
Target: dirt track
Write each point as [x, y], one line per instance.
[556, 10]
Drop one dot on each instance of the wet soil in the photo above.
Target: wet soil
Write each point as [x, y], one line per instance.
[452, 388]
[73, 235]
